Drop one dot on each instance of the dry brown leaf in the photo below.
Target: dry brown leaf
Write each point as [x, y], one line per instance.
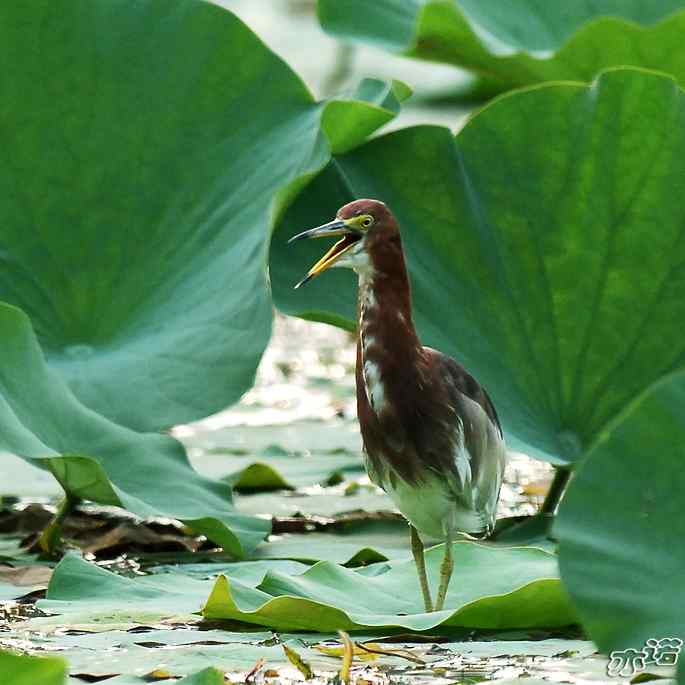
[25, 576]
[250, 675]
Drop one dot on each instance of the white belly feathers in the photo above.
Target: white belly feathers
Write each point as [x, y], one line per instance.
[374, 386]
[432, 507]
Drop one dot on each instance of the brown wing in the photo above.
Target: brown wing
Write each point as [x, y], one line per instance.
[482, 436]
[467, 385]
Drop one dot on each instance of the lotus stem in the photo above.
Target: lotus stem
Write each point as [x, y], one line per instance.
[556, 491]
[51, 537]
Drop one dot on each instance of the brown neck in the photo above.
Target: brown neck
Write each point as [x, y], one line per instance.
[387, 337]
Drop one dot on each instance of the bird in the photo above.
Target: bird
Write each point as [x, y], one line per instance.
[431, 436]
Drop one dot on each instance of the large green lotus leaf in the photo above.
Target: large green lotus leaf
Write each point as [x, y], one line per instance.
[110, 625]
[545, 244]
[490, 588]
[20, 669]
[621, 525]
[96, 459]
[522, 41]
[83, 594]
[94, 599]
[148, 146]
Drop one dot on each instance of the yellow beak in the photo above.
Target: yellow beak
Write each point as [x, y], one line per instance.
[332, 228]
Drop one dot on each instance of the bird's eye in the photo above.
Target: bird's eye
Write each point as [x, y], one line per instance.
[367, 221]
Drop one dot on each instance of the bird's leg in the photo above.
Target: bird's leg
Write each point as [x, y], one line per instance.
[420, 561]
[445, 571]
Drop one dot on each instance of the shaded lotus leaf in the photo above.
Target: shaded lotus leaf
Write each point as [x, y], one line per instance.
[325, 438]
[359, 541]
[16, 581]
[180, 650]
[521, 42]
[11, 551]
[93, 458]
[622, 518]
[21, 573]
[327, 502]
[21, 669]
[94, 599]
[519, 531]
[139, 189]
[287, 472]
[490, 588]
[548, 648]
[353, 545]
[184, 650]
[83, 594]
[250, 572]
[106, 624]
[323, 598]
[543, 242]
[207, 676]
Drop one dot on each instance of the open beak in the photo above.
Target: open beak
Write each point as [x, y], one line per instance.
[334, 228]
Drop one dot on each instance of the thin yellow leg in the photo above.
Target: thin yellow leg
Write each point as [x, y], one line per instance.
[445, 571]
[419, 560]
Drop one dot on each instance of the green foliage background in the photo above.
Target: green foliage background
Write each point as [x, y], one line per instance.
[150, 151]
[521, 42]
[139, 189]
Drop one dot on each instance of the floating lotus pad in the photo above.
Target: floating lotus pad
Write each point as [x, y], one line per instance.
[490, 588]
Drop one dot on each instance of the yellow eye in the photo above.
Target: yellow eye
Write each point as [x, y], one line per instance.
[367, 221]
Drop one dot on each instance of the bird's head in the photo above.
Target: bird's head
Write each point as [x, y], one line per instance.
[362, 224]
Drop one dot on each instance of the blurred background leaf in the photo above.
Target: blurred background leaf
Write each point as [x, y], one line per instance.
[20, 669]
[512, 44]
